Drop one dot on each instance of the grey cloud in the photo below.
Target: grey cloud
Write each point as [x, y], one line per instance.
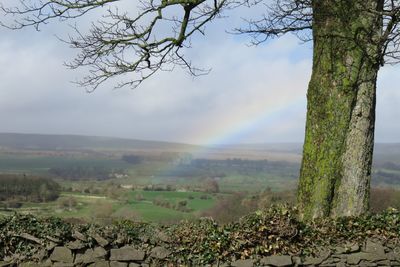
[245, 83]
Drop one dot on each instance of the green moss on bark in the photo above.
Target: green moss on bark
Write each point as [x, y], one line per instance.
[342, 69]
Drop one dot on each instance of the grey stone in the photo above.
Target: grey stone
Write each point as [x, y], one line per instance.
[348, 248]
[28, 264]
[339, 256]
[31, 238]
[51, 245]
[219, 264]
[46, 263]
[391, 256]
[100, 240]
[132, 264]
[62, 264]
[296, 261]
[355, 258]
[75, 245]
[99, 252]
[53, 239]
[313, 260]
[243, 263]
[101, 263]
[374, 247]
[79, 235]
[367, 264]
[277, 260]
[384, 263]
[160, 253]
[330, 262]
[396, 253]
[340, 250]
[91, 255]
[79, 259]
[322, 255]
[127, 254]
[354, 248]
[119, 264]
[121, 239]
[62, 254]
[40, 255]
[164, 237]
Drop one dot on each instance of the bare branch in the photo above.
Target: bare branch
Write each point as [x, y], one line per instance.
[281, 17]
[136, 46]
[122, 44]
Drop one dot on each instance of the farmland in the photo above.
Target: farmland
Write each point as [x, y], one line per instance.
[96, 207]
[161, 182]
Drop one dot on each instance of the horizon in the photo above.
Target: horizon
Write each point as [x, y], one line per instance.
[164, 141]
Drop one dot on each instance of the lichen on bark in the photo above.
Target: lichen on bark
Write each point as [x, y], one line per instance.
[337, 154]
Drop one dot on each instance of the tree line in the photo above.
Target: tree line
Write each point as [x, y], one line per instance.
[76, 173]
[27, 188]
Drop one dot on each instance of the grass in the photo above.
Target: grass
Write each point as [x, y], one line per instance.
[151, 212]
[89, 206]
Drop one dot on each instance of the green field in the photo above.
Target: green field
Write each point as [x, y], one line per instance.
[92, 207]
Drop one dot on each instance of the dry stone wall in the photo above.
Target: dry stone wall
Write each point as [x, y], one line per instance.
[74, 253]
[103, 254]
[262, 239]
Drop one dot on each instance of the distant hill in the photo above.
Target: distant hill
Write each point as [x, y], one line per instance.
[384, 152]
[78, 142]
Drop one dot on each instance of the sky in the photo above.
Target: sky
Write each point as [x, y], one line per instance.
[254, 94]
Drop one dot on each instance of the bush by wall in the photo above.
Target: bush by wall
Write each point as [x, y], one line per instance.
[272, 237]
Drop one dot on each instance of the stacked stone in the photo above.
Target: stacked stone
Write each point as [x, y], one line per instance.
[102, 254]
[372, 253]
[75, 253]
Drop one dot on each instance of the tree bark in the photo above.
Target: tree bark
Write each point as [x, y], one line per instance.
[337, 154]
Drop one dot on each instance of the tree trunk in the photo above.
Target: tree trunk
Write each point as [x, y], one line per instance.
[337, 153]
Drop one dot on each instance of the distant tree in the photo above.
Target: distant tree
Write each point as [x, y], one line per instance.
[76, 173]
[383, 198]
[113, 191]
[68, 203]
[228, 209]
[352, 39]
[139, 197]
[28, 188]
[211, 186]
[132, 159]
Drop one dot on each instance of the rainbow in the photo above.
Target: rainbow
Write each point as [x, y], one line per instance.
[243, 124]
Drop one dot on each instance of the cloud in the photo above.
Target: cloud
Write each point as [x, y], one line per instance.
[388, 103]
[253, 94]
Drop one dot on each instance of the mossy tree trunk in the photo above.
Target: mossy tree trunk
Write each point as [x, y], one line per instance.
[337, 154]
